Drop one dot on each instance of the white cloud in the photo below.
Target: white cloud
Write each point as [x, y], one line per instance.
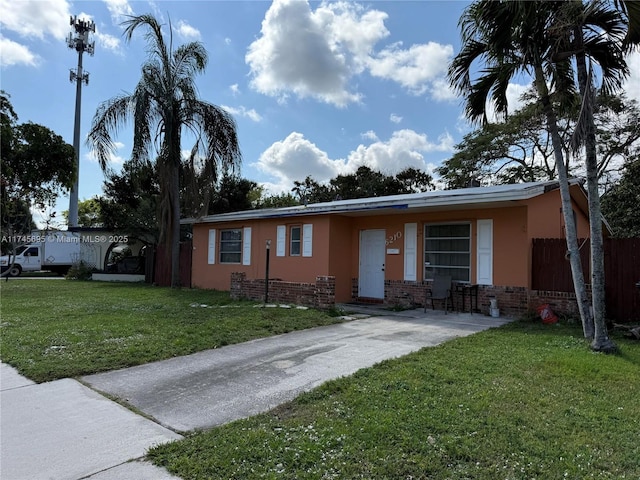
[243, 112]
[227, 41]
[295, 157]
[235, 89]
[370, 135]
[395, 118]
[118, 9]
[36, 18]
[405, 148]
[413, 68]
[108, 42]
[441, 90]
[632, 85]
[317, 53]
[295, 53]
[187, 32]
[12, 53]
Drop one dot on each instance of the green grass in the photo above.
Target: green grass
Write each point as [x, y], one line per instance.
[524, 401]
[53, 329]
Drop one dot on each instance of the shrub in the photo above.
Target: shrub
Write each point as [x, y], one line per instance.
[80, 271]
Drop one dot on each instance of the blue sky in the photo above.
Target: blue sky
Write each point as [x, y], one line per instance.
[316, 88]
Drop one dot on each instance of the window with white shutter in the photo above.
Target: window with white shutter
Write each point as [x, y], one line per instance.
[307, 240]
[211, 255]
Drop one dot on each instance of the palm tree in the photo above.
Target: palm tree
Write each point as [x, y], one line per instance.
[164, 105]
[593, 34]
[545, 36]
[631, 10]
[512, 38]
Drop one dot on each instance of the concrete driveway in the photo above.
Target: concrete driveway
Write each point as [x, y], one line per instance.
[217, 386]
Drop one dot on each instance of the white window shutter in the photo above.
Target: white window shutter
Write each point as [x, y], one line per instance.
[246, 246]
[281, 240]
[485, 252]
[411, 252]
[307, 240]
[211, 255]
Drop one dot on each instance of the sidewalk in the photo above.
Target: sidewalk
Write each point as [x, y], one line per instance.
[66, 430]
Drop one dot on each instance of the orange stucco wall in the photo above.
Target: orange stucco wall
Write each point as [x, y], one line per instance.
[290, 268]
[510, 261]
[546, 219]
[341, 253]
[336, 241]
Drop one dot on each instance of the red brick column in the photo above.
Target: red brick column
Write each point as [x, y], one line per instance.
[237, 281]
[325, 292]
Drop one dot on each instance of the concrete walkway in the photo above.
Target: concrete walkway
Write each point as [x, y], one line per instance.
[66, 430]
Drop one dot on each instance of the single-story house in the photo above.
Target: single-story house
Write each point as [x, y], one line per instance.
[386, 249]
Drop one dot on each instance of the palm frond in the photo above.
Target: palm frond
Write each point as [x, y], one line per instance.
[155, 40]
[110, 116]
[189, 59]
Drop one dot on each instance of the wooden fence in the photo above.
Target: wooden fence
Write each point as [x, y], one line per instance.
[161, 274]
[551, 271]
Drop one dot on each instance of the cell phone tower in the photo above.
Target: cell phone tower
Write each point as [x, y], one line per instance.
[79, 41]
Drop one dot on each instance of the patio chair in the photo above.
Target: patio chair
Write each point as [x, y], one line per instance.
[440, 290]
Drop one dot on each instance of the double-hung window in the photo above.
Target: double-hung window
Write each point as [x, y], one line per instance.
[296, 241]
[231, 246]
[447, 251]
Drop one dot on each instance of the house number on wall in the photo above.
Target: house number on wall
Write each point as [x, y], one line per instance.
[393, 238]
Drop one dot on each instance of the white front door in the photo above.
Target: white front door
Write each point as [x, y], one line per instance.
[372, 253]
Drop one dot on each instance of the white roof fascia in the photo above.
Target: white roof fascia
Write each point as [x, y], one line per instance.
[437, 198]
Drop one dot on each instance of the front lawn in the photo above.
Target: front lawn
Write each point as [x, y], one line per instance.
[524, 401]
[58, 328]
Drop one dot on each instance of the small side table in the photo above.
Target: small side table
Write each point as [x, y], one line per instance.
[471, 290]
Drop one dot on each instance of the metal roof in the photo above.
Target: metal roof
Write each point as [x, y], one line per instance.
[434, 200]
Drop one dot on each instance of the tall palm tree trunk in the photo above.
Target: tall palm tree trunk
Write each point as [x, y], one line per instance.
[601, 340]
[173, 190]
[567, 211]
[175, 226]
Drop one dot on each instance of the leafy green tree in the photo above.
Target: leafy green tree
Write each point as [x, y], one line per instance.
[620, 204]
[415, 180]
[281, 200]
[89, 213]
[163, 106]
[233, 194]
[513, 151]
[618, 133]
[131, 202]
[310, 191]
[519, 149]
[37, 165]
[363, 183]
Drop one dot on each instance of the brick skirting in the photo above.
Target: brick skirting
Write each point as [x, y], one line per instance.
[512, 301]
[321, 294]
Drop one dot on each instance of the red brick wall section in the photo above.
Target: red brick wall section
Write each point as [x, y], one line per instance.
[325, 292]
[321, 294]
[237, 280]
[560, 302]
[405, 294]
[512, 301]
